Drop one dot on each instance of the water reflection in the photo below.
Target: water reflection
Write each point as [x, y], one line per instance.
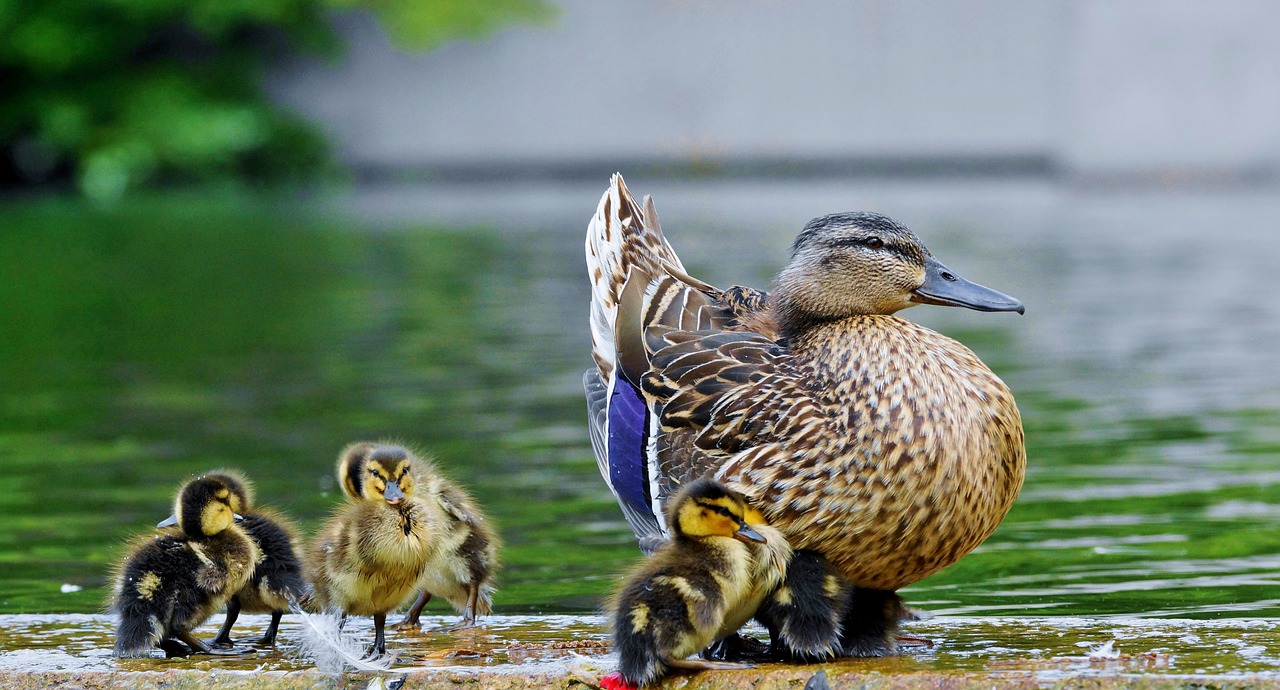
[153, 341]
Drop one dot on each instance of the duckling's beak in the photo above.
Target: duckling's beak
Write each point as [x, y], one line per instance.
[745, 533]
[393, 494]
[942, 286]
[238, 517]
[168, 522]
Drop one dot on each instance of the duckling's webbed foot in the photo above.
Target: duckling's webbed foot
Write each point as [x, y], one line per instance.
[870, 626]
[736, 647]
[269, 637]
[804, 614]
[198, 646]
[173, 648]
[224, 633]
[469, 613]
[413, 617]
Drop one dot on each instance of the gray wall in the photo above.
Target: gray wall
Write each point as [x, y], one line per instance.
[1171, 87]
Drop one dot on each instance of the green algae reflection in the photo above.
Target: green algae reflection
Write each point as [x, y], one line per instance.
[157, 339]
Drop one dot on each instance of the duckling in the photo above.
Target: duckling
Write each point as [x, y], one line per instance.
[391, 539]
[805, 614]
[698, 587]
[173, 581]
[277, 576]
[886, 447]
[463, 567]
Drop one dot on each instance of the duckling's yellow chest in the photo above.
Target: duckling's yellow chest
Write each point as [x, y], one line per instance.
[918, 458]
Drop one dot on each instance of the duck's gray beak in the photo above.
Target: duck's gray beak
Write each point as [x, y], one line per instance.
[942, 286]
[745, 533]
[168, 522]
[392, 493]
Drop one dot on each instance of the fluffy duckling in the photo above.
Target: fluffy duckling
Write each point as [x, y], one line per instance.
[462, 569]
[277, 576]
[172, 582]
[698, 587]
[816, 614]
[397, 535]
[804, 615]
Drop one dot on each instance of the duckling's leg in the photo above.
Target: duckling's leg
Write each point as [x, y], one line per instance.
[412, 616]
[224, 633]
[735, 647]
[379, 646]
[468, 613]
[269, 637]
[199, 647]
[870, 625]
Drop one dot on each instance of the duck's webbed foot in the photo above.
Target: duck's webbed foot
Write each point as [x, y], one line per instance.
[269, 636]
[413, 617]
[734, 648]
[224, 633]
[870, 625]
[198, 646]
[173, 648]
[805, 613]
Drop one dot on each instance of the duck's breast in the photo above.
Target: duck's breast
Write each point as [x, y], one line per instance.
[920, 460]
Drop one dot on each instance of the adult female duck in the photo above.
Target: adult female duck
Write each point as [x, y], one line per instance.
[890, 449]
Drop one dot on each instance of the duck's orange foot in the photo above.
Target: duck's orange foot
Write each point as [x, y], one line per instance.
[615, 681]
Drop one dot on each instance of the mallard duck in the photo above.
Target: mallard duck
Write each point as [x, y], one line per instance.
[171, 582]
[703, 584]
[277, 576]
[888, 448]
[394, 537]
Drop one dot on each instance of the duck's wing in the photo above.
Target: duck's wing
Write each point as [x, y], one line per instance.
[626, 250]
[738, 401]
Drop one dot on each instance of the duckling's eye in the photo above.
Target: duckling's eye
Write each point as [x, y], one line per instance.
[874, 243]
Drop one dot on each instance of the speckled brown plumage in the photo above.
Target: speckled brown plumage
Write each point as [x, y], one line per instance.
[887, 447]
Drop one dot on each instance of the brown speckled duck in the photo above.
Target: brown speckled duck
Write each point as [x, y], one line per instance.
[884, 446]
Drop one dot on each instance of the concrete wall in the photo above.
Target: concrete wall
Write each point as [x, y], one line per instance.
[1093, 85]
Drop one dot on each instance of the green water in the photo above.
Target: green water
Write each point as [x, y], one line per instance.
[152, 341]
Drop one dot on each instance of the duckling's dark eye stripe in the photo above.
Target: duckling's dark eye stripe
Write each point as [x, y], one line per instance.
[719, 509]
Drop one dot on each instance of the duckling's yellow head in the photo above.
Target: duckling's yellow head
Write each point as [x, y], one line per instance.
[203, 507]
[705, 508]
[240, 487]
[847, 264]
[376, 472]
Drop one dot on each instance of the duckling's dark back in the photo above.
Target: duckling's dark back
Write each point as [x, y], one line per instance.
[172, 582]
[278, 574]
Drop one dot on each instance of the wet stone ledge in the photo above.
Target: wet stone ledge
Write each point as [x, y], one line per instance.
[73, 652]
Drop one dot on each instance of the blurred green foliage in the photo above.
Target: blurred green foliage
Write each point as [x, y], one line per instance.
[118, 93]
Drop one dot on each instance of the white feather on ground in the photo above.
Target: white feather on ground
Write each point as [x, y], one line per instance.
[332, 650]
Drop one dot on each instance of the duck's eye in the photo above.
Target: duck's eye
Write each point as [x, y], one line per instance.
[874, 243]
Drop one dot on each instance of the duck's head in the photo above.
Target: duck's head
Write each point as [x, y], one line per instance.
[705, 508]
[204, 507]
[376, 472]
[847, 264]
[240, 487]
